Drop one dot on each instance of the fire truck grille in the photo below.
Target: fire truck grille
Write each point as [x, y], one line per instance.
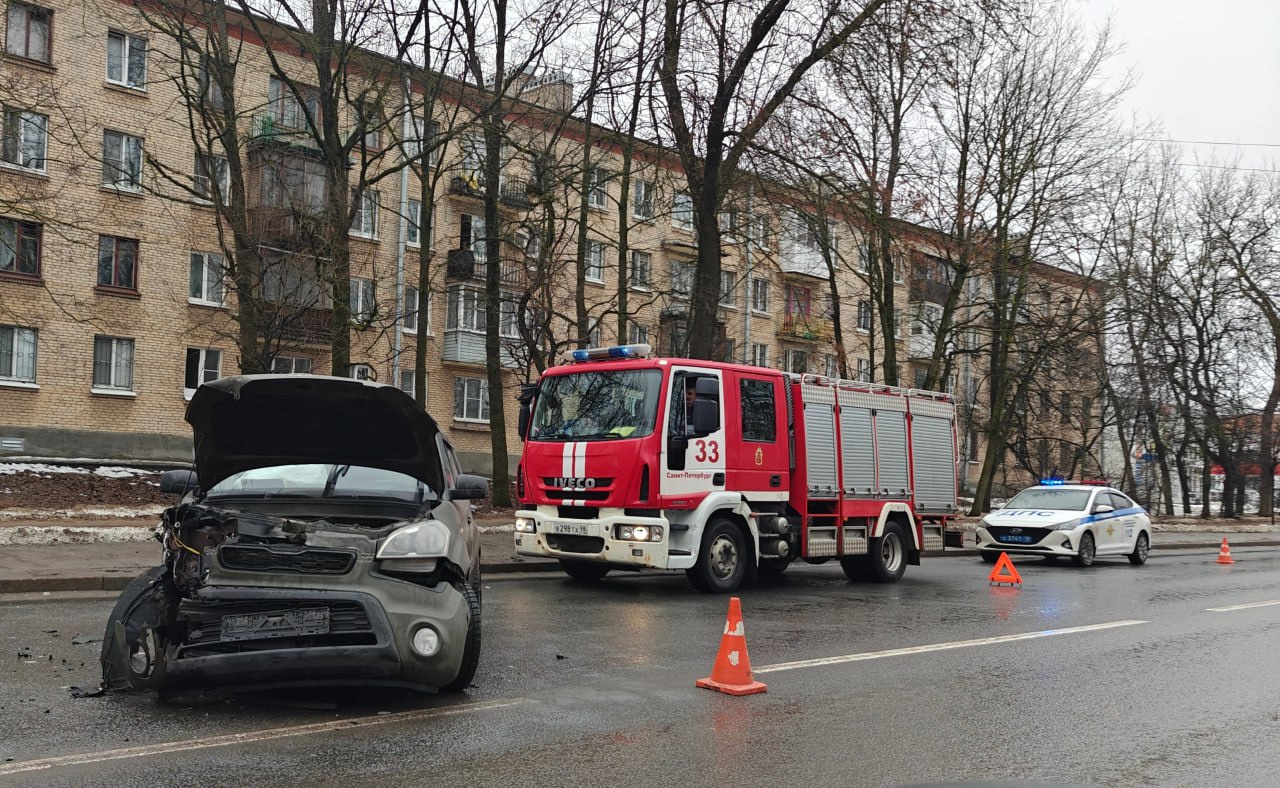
[575, 544]
[578, 495]
[556, 490]
[578, 512]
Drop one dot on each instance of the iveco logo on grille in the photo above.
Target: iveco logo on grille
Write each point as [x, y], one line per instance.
[573, 482]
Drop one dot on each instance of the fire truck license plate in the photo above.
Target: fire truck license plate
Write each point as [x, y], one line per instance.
[577, 529]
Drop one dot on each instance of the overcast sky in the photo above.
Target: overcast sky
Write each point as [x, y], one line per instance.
[1209, 71]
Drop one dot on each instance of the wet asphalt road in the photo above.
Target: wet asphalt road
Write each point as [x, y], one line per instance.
[585, 686]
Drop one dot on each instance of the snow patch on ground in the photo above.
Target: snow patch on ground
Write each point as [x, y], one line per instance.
[80, 512]
[108, 471]
[52, 534]
[496, 529]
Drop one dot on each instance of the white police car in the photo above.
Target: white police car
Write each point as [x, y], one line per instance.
[1058, 519]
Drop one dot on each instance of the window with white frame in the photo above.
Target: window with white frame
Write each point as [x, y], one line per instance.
[760, 294]
[864, 315]
[595, 261]
[641, 263]
[24, 138]
[362, 372]
[470, 399]
[205, 280]
[121, 161]
[594, 335]
[18, 354]
[864, 370]
[728, 288]
[212, 179]
[409, 380]
[642, 199]
[682, 211]
[126, 59]
[830, 366]
[209, 83]
[759, 354]
[362, 299]
[203, 365]
[29, 31]
[285, 108]
[597, 188]
[796, 360]
[637, 334]
[472, 237]
[508, 318]
[365, 221]
[117, 262]
[20, 244]
[290, 365]
[466, 310]
[681, 278]
[416, 313]
[414, 230]
[728, 220]
[419, 132]
[112, 363]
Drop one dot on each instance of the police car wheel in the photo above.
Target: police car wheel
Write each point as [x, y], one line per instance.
[1088, 550]
[990, 556]
[588, 571]
[1140, 550]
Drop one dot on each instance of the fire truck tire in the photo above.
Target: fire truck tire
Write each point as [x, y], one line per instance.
[588, 571]
[887, 555]
[772, 569]
[722, 561]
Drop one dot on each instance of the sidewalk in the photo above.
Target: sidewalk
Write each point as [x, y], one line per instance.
[106, 555]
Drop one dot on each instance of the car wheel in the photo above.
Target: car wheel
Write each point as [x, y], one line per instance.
[990, 556]
[885, 561]
[1140, 549]
[471, 649]
[1088, 550]
[132, 647]
[722, 561]
[586, 571]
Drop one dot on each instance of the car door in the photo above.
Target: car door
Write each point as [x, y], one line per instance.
[1106, 533]
[1128, 522]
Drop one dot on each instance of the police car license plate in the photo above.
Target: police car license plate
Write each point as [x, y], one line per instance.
[1018, 539]
[576, 529]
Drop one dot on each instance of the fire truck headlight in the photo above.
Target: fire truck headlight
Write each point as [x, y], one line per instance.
[525, 525]
[640, 533]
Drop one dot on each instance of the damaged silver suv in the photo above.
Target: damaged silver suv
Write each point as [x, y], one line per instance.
[325, 537]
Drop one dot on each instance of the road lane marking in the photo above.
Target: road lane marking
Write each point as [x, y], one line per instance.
[901, 652]
[1229, 608]
[250, 737]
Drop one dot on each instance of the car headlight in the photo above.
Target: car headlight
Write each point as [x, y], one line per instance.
[428, 539]
[640, 533]
[525, 525]
[1068, 525]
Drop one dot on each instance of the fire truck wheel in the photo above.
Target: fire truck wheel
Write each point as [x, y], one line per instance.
[589, 571]
[772, 569]
[722, 561]
[887, 556]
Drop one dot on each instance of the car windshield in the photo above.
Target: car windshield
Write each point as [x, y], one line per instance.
[597, 405]
[321, 481]
[1041, 498]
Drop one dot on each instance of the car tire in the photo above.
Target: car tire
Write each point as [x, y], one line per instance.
[138, 665]
[990, 556]
[471, 648]
[586, 571]
[722, 561]
[1087, 552]
[1141, 548]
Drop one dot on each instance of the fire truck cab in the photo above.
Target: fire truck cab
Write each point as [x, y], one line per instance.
[728, 471]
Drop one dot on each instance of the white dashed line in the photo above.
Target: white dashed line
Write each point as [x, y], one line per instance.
[1229, 608]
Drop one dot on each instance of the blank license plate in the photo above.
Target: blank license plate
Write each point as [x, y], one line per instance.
[577, 529]
[1019, 539]
[281, 624]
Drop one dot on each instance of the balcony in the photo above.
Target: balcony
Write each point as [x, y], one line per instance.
[304, 325]
[806, 327]
[929, 291]
[466, 182]
[461, 265]
[807, 262]
[284, 228]
[515, 192]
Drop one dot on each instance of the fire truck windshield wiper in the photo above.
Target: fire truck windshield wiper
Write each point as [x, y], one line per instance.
[599, 435]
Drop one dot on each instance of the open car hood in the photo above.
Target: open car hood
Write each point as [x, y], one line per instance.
[257, 421]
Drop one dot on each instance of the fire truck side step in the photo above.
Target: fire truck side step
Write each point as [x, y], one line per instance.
[855, 540]
[822, 542]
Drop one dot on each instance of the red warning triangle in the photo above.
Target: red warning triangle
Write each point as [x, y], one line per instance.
[1004, 572]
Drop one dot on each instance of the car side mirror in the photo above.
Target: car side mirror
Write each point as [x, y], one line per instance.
[179, 482]
[468, 487]
[706, 417]
[523, 428]
[1103, 508]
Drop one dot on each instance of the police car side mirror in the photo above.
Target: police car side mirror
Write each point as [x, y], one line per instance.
[1103, 508]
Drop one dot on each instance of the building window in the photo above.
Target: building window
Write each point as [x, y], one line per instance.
[796, 361]
[760, 294]
[365, 221]
[408, 378]
[413, 233]
[20, 247]
[362, 299]
[206, 279]
[30, 32]
[1064, 409]
[287, 110]
[637, 334]
[290, 365]
[24, 139]
[759, 354]
[681, 278]
[728, 287]
[597, 188]
[18, 354]
[117, 262]
[594, 338]
[830, 368]
[471, 399]
[112, 363]
[412, 307]
[864, 370]
[209, 82]
[203, 365]
[473, 237]
[682, 212]
[640, 264]
[799, 301]
[362, 372]
[370, 117]
[595, 262]
[864, 315]
[642, 200]
[126, 60]
[466, 310]
[212, 181]
[121, 161]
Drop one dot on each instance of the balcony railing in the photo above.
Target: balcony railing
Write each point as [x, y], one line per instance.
[807, 327]
[929, 291]
[467, 182]
[283, 227]
[462, 265]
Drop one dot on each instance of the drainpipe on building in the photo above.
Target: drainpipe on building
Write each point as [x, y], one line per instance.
[402, 236]
[749, 279]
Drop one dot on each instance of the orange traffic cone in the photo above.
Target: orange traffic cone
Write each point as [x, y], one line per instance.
[731, 672]
[1224, 555]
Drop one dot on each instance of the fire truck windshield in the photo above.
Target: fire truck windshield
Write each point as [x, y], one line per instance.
[596, 405]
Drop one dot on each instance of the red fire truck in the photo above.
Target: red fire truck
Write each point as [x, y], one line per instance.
[728, 471]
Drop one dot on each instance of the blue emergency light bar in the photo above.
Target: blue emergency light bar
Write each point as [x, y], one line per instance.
[604, 353]
[1054, 482]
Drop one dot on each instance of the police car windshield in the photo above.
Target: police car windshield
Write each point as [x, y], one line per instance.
[1048, 498]
[596, 405]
